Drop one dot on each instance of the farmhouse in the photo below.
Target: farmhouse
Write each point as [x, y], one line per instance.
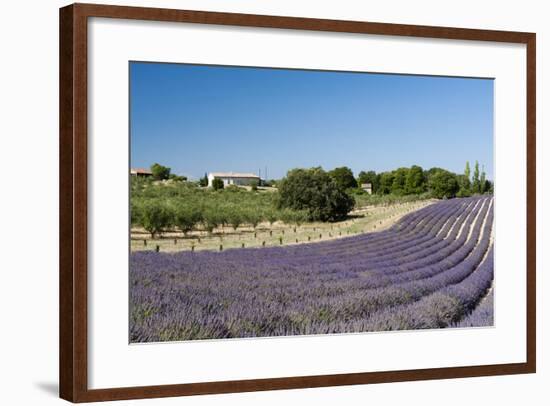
[140, 172]
[233, 178]
[367, 187]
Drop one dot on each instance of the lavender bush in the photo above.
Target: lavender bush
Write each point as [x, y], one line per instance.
[432, 269]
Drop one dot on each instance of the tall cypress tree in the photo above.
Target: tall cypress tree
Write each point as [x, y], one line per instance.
[476, 184]
[204, 180]
[466, 186]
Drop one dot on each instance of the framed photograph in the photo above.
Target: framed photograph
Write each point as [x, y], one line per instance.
[255, 202]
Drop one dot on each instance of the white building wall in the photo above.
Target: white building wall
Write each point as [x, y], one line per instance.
[210, 179]
[228, 180]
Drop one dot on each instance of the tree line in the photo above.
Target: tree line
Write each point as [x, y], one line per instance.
[311, 194]
[438, 182]
[185, 207]
[330, 196]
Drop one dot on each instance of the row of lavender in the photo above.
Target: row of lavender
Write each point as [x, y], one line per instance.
[430, 270]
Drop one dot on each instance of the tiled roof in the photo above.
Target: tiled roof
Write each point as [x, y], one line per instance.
[233, 175]
[141, 171]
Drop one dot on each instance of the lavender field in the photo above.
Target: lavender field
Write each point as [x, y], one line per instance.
[433, 269]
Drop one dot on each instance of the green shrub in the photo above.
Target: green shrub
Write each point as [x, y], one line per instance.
[203, 182]
[160, 172]
[443, 184]
[314, 191]
[217, 184]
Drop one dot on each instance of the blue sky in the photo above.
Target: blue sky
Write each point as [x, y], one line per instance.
[198, 119]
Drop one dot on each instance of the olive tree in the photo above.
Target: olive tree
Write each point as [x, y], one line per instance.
[211, 219]
[235, 217]
[135, 213]
[156, 217]
[186, 217]
[252, 217]
[271, 216]
[296, 217]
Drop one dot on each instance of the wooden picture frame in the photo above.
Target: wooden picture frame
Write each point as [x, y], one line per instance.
[74, 201]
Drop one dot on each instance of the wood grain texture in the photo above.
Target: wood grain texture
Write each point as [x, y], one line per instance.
[73, 200]
[66, 130]
[531, 204]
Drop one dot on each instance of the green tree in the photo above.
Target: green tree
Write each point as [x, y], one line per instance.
[297, 217]
[271, 215]
[223, 215]
[415, 182]
[464, 182]
[488, 186]
[156, 217]
[482, 180]
[252, 217]
[235, 217]
[217, 184]
[300, 217]
[186, 217]
[343, 177]
[386, 183]
[370, 177]
[177, 178]
[135, 213]
[316, 192]
[467, 175]
[399, 179]
[287, 216]
[476, 183]
[204, 180]
[160, 172]
[463, 190]
[211, 219]
[443, 184]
